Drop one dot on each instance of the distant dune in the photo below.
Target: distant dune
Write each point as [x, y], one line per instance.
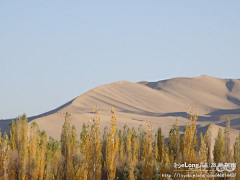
[161, 103]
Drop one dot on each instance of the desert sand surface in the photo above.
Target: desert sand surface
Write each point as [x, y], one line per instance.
[162, 103]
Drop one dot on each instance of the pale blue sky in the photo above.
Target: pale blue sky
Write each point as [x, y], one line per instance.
[54, 51]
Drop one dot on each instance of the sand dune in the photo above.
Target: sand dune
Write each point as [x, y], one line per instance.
[159, 102]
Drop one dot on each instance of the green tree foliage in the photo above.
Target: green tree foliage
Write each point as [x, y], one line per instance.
[174, 144]
[227, 149]
[54, 159]
[207, 141]
[219, 151]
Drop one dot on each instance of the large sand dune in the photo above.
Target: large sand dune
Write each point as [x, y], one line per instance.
[162, 103]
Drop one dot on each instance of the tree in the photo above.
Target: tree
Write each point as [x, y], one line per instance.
[218, 151]
[19, 144]
[129, 155]
[85, 148]
[174, 144]
[203, 149]
[95, 166]
[161, 149]
[4, 156]
[33, 152]
[112, 148]
[161, 146]
[189, 141]
[207, 140]
[135, 146]
[68, 146]
[42, 151]
[121, 149]
[237, 155]
[54, 159]
[228, 152]
[147, 166]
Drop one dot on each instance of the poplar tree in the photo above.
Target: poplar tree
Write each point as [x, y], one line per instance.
[189, 141]
[135, 146]
[68, 146]
[218, 151]
[4, 157]
[42, 151]
[228, 152]
[104, 143]
[129, 145]
[142, 142]
[112, 148]
[174, 144]
[12, 129]
[19, 147]
[85, 149]
[161, 146]
[148, 160]
[95, 166]
[207, 140]
[54, 159]
[156, 147]
[129, 155]
[237, 155]
[161, 149]
[203, 149]
[33, 152]
[22, 143]
[121, 149]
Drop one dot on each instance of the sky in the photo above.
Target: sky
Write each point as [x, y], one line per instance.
[54, 51]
